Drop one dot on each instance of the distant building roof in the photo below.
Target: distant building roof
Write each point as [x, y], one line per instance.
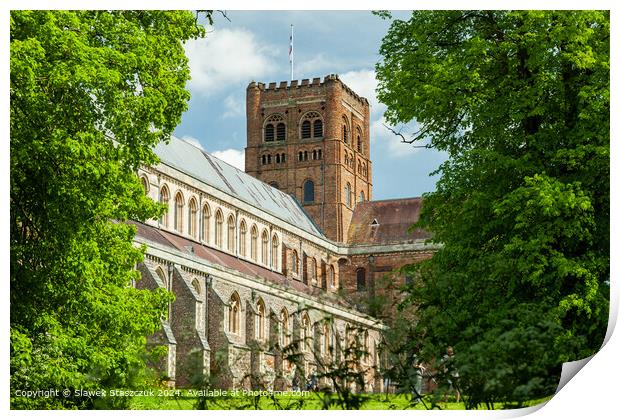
[193, 161]
[386, 222]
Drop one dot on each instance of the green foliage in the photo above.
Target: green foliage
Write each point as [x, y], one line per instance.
[91, 93]
[520, 101]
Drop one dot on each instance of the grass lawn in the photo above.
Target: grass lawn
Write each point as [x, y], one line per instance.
[184, 401]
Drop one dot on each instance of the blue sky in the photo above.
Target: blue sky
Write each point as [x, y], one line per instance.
[254, 46]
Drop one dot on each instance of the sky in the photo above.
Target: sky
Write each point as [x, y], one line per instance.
[254, 46]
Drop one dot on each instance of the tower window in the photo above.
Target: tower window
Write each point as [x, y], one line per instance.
[318, 128]
[281, 132]
[360, 146]
[311, 125]
[275, 129]
[264, 159]
[306, 129]
[269, 132]
[278, 158]
[308, 191]
[268, 159]
[362, 196]
[305, 155]
[345, 130]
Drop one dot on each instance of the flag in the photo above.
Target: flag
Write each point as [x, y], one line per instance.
[290, 47]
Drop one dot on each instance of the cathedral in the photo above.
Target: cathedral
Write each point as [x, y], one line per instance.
[270, 267]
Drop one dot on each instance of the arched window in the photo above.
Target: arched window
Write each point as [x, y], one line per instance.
[308, 191]
[274, 252]
[345, 130]
[312, 125]
[362, 198]
[327, 342]
[305, 155]
[178, 212]
[145, 184]
[242, 238]
[305, 335]
[164, 198]
[347, 194]
[306, 129]
[192, 219]
[295, 263]
[312, 269]
[301, 156]
[360, 145]
[280, 132]
[219, 221]
[231, 233]
[275, 129]
[284, 335]
[269, 134]
[361, 279]
[265, 248]
[234, 313]
[318, 128]
[260, 320]
[206, 222]
[253, 242]
[331, 274]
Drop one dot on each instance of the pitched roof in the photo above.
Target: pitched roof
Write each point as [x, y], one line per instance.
[386, 222]
[193, 161]
[215, 256]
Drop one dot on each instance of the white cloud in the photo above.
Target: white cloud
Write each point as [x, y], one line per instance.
[390, 142]
[194, 141]
[233, 157]
[234, 107]
[316, 64]
[227, 56]
[364, 83]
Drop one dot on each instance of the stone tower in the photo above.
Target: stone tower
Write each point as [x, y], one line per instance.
[312, 140]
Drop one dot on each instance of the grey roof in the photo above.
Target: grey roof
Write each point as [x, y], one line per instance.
[193, 161]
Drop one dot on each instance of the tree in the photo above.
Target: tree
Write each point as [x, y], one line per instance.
[91, 93]
[520, 101]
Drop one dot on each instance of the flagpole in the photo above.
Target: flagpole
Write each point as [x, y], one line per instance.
[290, 52]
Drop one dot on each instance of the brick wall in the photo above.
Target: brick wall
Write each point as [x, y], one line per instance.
[333, 101]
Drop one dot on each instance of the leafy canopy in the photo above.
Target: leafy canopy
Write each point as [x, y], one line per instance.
[520, 101]
[91, 93]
